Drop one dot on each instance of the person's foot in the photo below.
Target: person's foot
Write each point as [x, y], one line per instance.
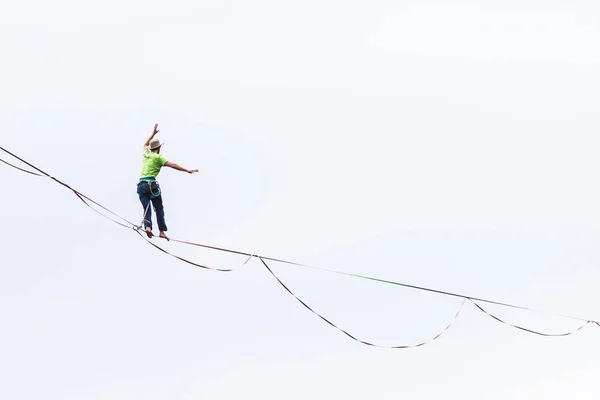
[149, 232]
[164, 236]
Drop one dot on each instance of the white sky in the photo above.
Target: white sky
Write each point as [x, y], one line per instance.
[446, 144]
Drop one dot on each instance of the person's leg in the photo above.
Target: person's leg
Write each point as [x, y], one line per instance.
[144, 195]
[160, 211]
[160, 216]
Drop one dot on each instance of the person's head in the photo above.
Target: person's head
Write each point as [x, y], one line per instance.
[154, 146]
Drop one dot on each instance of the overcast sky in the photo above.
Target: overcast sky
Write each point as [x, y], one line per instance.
[445, 144]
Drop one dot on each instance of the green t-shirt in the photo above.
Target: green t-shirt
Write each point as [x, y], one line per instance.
[151, 164]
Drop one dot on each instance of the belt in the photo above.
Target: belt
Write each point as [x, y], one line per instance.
[148, 179]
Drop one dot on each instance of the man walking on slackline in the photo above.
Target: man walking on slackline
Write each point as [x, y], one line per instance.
[148, 189]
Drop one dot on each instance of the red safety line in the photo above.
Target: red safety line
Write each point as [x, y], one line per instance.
[83, 198]
[188, 261]
[351, 336]
[531, 330]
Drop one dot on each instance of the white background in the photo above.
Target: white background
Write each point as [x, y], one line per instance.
[451, 145]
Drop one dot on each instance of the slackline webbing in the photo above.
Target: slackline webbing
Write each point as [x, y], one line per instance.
[474, 300]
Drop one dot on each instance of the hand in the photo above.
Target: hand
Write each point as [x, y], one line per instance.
[192, 171]
[155, 130]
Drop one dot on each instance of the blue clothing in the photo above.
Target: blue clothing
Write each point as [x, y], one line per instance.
[149, 191]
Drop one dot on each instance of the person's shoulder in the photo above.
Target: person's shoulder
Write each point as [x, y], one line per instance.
[150, 154]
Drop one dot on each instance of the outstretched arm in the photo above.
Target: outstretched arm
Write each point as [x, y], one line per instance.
[151, 137]
[180, 168]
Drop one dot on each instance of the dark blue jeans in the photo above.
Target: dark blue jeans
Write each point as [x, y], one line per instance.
[150, 192]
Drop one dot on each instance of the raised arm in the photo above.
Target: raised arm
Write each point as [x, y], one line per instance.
[151, 137]
[180, 168]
